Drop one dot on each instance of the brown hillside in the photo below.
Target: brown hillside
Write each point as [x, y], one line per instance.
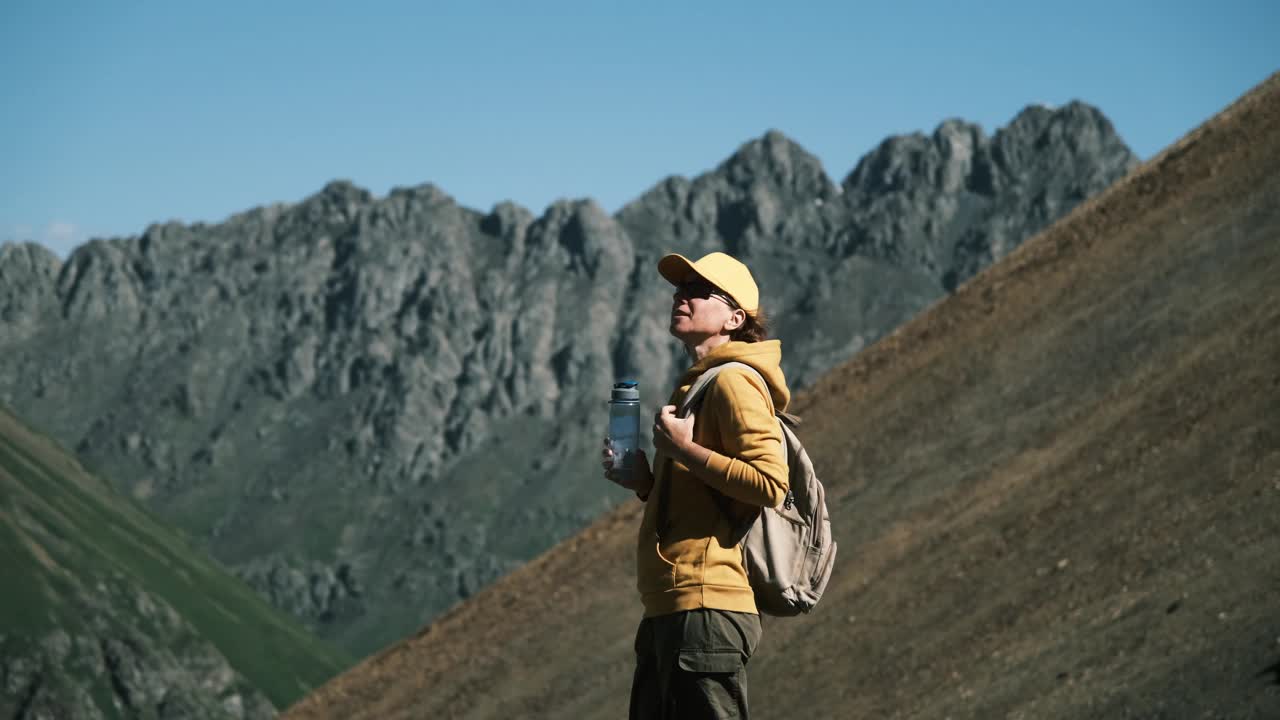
[1057, 494]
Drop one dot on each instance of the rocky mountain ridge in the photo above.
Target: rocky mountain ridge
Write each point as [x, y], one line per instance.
[371, 407]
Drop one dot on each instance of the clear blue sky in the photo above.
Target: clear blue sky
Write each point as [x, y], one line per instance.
[119, 114]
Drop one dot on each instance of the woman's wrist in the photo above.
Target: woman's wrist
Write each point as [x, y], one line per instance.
[694, 455]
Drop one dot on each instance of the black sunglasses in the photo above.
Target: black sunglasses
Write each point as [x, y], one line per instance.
[702, 291]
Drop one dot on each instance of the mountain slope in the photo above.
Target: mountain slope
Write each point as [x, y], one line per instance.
[1056, 493]
[108, 613]
[371, 407]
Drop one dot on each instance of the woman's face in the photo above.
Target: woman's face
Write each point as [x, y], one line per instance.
[700, 310]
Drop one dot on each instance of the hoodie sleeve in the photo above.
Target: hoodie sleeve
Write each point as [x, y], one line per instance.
[752, 468]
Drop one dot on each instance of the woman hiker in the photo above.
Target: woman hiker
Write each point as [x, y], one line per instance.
[700, 624]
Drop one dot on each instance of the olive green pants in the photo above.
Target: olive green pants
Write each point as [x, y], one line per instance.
[693, 665]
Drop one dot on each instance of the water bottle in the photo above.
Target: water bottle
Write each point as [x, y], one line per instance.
[624, 422]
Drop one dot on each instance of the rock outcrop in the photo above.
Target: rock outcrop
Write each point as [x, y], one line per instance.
[106, 612]
[131, 656]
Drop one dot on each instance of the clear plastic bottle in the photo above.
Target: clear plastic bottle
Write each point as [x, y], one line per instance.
[624, 422]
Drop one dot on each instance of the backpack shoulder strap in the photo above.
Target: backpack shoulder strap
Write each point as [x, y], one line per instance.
[689, 405]
[699, 388]
[693, 398]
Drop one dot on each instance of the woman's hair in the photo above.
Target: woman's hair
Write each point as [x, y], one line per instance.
[753, 329]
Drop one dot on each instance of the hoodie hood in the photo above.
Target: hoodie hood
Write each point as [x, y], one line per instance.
[765, 357]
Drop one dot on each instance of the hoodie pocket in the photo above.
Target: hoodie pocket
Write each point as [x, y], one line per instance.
[657, 550]
[654, 573]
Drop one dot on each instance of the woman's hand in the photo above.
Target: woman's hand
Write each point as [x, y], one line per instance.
[672, 435]
[634, 474]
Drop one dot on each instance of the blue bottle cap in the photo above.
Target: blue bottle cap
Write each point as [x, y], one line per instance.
[626, 391]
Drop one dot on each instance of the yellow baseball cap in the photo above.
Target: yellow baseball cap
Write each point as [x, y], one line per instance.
[719, 269]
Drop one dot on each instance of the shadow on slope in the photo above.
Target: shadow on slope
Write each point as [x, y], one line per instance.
[1057, 494]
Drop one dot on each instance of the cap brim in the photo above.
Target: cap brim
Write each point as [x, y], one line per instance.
[675, 268]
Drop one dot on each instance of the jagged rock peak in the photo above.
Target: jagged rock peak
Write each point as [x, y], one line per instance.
[342, 190]
[1078, 115]
[942, 159]
[28, 257]
[1064, 139]
[338, 201]
[670, 192]
[958, 154]
[506, 219]
[580, 207]
[957, 137]
[583, 229]
[776, 159]
[28, 272]
[429, 193]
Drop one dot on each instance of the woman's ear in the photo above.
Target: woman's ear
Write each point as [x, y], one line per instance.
[735, 321]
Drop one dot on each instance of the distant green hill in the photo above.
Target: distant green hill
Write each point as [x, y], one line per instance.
[106, 612]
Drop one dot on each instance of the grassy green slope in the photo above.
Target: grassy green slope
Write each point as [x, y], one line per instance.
[63, 532]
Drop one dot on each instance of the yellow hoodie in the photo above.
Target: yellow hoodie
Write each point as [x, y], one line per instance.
[696, 565]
